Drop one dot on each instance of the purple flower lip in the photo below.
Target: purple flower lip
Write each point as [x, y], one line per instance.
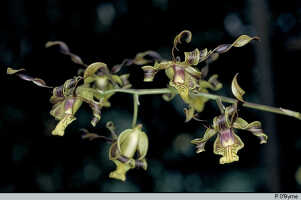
[226, 137]
[179, 75]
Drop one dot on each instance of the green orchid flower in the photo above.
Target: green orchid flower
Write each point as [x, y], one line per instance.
[127, 150]
[227, 143]
[185, 77]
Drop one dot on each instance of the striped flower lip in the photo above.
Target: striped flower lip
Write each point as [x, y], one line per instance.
[227, 143]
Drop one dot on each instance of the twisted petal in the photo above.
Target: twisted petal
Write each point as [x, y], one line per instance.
[227, 149]
[200, 142]
[36, 81]
[186, 35]
[236, 89]
[239, 42]
[64, 49]
[142, 58]
[254, 128]
[93, 136]
[96, 109]
[213, 55]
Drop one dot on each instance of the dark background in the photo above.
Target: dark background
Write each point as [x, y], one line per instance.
[108, 31]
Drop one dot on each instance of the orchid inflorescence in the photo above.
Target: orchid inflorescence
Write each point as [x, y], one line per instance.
[95, 84]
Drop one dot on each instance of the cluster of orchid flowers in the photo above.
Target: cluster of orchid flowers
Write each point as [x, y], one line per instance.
[96, 83]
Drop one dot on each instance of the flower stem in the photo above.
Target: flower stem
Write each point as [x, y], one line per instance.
[137, 92]
[135, 115]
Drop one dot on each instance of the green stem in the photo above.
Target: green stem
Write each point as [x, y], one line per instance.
[135, 115]
[209, 96]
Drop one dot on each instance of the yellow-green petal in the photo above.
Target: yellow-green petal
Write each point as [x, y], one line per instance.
[200, 142]
[253, 127]
[237, 91]
[192, 58]
[142, 145]
[93, 68]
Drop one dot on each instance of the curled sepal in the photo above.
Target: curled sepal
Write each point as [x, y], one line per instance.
[253, 127]
[62, 125]
[149, 73]
[92, 69]
[237, 91]
[96, 109]
[227, 144]
[37, 81]
[64, 49]
[186, 35]
[193, 57]
[200, 142]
